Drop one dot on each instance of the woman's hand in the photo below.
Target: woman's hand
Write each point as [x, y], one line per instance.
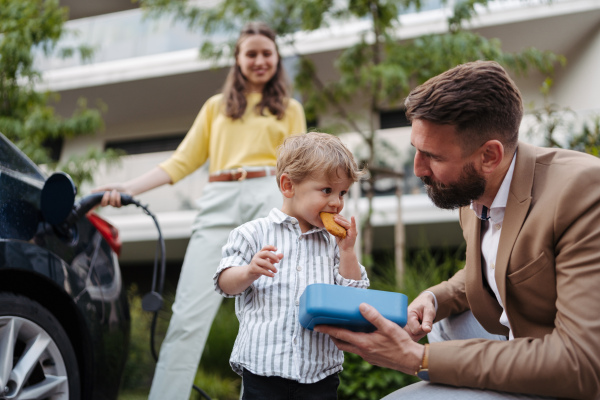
[152, 179]
[112, 194]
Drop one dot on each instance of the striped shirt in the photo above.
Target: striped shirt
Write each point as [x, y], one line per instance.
[270, 340]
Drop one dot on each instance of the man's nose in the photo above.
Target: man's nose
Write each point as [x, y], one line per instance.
[421, 166]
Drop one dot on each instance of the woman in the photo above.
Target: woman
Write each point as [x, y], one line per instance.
[239, 131]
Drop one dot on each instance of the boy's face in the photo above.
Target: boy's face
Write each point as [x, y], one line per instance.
[305, 200]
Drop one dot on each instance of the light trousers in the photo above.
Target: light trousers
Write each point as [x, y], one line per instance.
[456, 327]
[223, 206]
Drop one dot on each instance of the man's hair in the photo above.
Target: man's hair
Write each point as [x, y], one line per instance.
[478, 98]
[314, 153]
[275, 94]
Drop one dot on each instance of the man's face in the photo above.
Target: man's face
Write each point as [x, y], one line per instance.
[452, 179]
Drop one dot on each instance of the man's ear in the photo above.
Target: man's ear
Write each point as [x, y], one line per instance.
[286, 185]
[492, 154]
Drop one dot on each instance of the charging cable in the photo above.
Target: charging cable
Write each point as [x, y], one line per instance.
[152, 301]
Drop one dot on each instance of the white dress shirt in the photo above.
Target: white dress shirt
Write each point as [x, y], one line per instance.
[270, 340]
[490, 237]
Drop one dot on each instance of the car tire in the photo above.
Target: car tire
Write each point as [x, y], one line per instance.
[37, 360]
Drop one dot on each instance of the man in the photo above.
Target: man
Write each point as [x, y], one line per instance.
[531, 220]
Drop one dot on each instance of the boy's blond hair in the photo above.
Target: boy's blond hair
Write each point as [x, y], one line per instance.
[315, 153]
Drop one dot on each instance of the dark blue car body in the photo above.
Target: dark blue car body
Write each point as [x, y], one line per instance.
[75, 278]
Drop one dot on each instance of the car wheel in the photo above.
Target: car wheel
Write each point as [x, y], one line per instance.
[37, 360]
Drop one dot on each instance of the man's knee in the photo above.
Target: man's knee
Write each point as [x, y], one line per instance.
[460, 327]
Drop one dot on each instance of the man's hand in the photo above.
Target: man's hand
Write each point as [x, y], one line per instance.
[421, 313]
[389, 346]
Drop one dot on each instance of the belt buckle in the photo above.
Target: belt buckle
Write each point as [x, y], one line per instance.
[243, 172]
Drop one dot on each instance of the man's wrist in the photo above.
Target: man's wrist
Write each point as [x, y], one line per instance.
[435, 303]
[423, 370]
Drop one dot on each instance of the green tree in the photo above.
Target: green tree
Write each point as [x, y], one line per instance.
[374, 74]
[30, 29]
[559, 126]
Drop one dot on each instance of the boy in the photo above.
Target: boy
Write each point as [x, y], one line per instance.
[277, 358]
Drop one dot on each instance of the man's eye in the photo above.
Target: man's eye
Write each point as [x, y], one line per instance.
[326, 190]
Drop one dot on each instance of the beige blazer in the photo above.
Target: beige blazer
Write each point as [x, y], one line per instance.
[548, 276]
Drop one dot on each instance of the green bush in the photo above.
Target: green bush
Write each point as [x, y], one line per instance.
[427, 268]
[139, 367]
[214, 376]
[215, 358]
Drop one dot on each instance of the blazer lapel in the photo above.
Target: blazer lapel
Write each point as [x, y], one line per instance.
[517, 206]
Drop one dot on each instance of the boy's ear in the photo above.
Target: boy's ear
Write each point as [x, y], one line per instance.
[286, 185]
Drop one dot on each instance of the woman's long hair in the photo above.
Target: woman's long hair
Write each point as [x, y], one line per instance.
[275, 93]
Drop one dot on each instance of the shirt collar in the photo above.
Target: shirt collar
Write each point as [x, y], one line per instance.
[279, 217]
[496, 212]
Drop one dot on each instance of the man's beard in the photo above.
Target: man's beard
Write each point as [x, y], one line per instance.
[469, 186]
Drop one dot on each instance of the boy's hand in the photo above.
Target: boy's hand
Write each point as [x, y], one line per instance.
[263, 262]
[351, 233]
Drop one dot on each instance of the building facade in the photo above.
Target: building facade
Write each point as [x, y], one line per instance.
[153, 82]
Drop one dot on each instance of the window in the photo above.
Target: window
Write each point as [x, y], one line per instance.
[143, 146]
[392, 119]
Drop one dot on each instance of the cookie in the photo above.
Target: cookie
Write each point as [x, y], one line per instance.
[332, 227]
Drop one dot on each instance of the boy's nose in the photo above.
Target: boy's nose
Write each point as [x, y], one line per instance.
[335, 201]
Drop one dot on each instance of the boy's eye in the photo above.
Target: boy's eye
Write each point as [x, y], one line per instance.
[343, 193]
[326, 190]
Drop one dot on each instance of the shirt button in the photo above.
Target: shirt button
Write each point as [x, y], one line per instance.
[299, 268]
[492, 265]
[297, 302]
[498, 226]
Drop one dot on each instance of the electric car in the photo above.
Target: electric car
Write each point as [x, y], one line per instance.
[64, 315]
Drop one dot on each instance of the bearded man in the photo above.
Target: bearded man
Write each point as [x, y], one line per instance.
[522, 319]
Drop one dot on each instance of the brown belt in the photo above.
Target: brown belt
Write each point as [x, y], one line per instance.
[240, 175]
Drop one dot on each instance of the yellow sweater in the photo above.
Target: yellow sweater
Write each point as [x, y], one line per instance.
[246, 142]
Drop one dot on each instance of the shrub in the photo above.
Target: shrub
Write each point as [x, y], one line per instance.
[139, 367]
[214, 376]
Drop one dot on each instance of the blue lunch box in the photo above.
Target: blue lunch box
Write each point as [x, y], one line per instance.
[325, 304]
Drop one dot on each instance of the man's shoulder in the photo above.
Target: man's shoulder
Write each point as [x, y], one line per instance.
[557, 156]
[561, 165]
